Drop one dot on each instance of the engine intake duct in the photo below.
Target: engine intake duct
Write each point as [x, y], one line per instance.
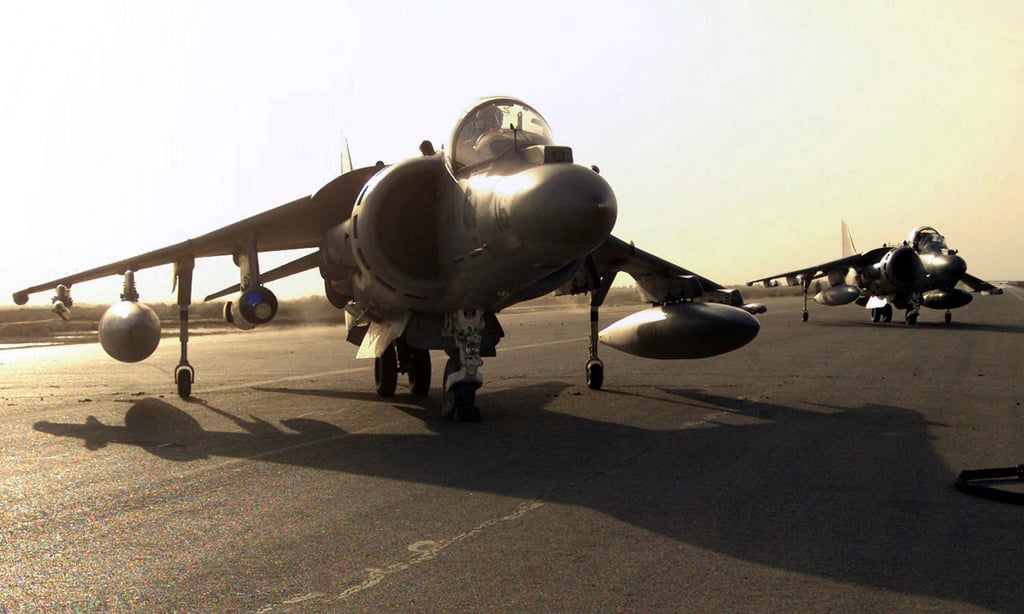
[901, 267]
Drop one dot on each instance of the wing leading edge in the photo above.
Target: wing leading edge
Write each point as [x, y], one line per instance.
[294, 225]
[798, 276]
[659, 281]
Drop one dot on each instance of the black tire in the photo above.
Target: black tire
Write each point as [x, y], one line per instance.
[595, 374]
[184, 385]
[949, 317]
[876, 314]
[459, 403]
[419, 371]
[385, 372]
[911, 319]
[887, 313]
[805, 316]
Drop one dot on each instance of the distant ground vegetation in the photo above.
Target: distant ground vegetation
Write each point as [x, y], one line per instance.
[38, 323]
[35, 323]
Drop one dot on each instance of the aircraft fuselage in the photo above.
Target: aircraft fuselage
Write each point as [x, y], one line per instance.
[423, 239]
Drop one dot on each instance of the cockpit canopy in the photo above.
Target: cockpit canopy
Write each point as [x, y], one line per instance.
[492, 128]
[927, 239]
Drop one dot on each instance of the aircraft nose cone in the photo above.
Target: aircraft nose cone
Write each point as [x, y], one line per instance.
[946, 268]
[567, 204]
[956, 266]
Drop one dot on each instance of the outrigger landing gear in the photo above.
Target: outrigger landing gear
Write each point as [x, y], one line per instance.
[806, 283]
[184, 374]
[595, 366]
[461, 373]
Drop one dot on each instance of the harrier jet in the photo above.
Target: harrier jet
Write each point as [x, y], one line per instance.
[423, 254]
[920, 271]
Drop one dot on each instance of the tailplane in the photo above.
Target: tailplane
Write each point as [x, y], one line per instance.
[346, 156]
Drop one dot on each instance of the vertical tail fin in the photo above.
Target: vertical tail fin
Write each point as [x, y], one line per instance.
[848, 248]
[346, 156]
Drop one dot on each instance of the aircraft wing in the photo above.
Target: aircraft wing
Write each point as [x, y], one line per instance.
[980, 285]
[794, 278]
[298, 224]
[659, 280]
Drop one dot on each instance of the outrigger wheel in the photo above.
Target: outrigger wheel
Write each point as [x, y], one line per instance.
[595, 373]
[184, 375]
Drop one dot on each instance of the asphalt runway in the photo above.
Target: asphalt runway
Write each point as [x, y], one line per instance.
[811, 470]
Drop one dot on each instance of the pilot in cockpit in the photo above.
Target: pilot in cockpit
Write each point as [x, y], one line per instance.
[928, 240]
[487, 119]
[487, 125]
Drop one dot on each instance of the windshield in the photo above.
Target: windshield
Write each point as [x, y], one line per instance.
[927, 239]
[492, 127]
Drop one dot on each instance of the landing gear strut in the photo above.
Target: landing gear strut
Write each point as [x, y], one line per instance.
[806, 283]
[184, 374]
[595, 367]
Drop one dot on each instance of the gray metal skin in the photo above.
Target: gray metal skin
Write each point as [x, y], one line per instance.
[422, 254]
[921, 271]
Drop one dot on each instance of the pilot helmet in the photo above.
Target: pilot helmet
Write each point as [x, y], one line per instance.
[489, 118]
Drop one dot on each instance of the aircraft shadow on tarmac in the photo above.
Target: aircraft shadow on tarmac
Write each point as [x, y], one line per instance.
[856, 495]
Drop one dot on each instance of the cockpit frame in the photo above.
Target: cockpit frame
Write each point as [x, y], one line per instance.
[927, 239]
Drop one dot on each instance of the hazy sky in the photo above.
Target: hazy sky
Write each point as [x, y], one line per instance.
[736, 135]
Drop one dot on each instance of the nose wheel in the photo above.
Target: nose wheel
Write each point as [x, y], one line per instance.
[459, 401]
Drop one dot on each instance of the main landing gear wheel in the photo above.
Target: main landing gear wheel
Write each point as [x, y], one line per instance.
[881, 314]
[385, 372]
[911, 319]
[595, 374]
[419, 371]
[459, 403]
[805, 316]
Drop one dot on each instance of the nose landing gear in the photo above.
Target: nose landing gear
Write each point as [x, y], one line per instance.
[461, 373]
